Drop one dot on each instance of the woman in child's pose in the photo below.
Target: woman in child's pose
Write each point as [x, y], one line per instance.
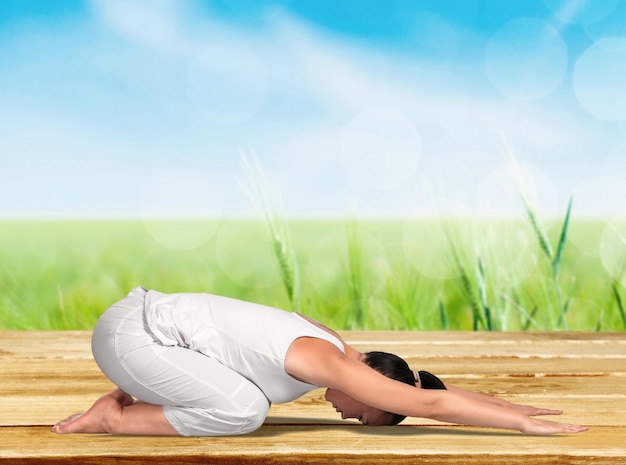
[203, 365]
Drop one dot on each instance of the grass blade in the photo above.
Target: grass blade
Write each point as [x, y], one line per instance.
[275, 220]
[62, 306]
[355, 275]
[562, 239]
[518, 179]
[530, 317]
[542, 237]
[619, 302]
[466, 286]
[466, 282]
[600, 322]
[482, 292]
[443, 315]
[562, 321]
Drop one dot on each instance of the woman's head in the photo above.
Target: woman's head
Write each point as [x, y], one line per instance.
[349, 407]
[392, 367]
[386, 364]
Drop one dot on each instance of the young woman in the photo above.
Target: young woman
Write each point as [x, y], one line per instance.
[204, 365]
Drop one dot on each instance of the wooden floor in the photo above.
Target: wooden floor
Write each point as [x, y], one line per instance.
[45, 376]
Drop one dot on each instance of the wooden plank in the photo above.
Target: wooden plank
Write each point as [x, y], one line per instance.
[523, 368]
[46, 344]
[60, 375]
[335, 444]
[91, 381]
[66, 393]
[29, 410]
[45, 376]
[70, 344]
[514, 349]
[480, 337]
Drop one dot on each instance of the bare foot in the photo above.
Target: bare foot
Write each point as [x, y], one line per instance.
[99, 418]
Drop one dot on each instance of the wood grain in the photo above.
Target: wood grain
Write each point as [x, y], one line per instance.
[45, 376]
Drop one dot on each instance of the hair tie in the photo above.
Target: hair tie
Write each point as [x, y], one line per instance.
[427, 380]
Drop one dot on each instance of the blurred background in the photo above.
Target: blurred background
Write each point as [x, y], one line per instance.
[396, 164]
[131, 108]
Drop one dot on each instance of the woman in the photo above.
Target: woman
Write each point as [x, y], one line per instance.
[204, 365]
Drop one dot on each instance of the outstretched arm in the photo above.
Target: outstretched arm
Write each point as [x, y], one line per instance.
[472, 408]
[323, 364]
[525, 409]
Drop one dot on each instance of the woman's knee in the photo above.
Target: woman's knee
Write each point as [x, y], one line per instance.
[256, 414]
[219, 421]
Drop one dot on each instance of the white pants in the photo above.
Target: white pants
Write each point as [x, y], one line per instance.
[200, 396]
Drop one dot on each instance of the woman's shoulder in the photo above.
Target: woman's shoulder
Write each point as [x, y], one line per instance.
[311, 360]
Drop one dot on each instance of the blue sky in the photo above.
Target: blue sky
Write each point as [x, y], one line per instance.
[122, 108]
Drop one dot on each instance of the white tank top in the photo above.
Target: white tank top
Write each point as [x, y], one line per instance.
[251, 339]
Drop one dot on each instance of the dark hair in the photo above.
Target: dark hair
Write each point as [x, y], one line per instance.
[392, 367]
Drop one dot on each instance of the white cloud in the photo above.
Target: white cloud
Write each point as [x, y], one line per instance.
[157, 24]
[290, 90]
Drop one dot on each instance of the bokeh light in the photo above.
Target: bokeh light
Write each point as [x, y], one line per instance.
[613, 249]
[600, 197]
[501, 191]
[170, 270]
[328, 267]
[427, 248]
[258, 268]
[599, 77]
[611, 24]
[190, 204]
[526, 59]
[508, 252]
[581, 12]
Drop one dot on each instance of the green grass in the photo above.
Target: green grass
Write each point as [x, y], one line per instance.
[269, 204]
[464, 275]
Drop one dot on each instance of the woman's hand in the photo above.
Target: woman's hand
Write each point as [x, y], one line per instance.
[537, 426]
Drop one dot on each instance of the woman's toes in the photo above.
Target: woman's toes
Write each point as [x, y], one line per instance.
[99, 418]
[68, 425]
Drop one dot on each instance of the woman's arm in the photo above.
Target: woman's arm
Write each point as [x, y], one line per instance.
[525, 409]
[319, 362]
[453, 406]
[473, 408]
